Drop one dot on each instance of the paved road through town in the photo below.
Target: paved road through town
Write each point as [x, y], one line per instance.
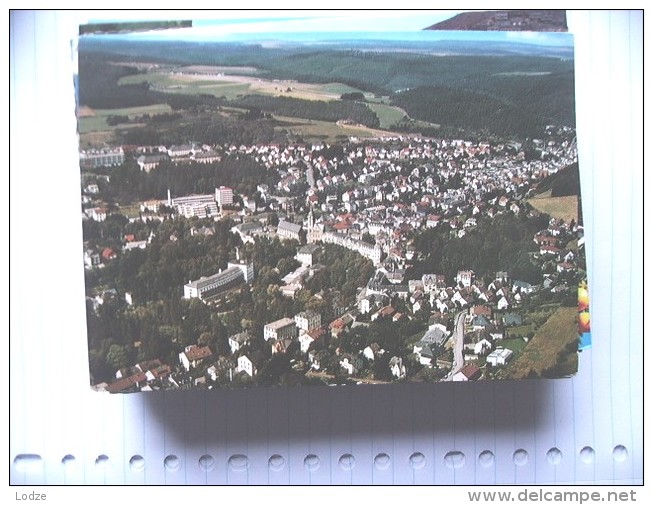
[458, 341]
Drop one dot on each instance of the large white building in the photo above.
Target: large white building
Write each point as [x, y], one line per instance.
[250, 363]
[286, 229]
[465, 277]
[306, 254]
[201, 205]
[148, 162]
[239, 340]
[234, 275]
[224, 195]
[107, 157]
[194, 205]
[280, 329]
[180, 150]
[499, 356]
[308, 320]
[372, 252]
[193, 356]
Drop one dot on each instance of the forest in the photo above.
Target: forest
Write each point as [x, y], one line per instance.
[566, 182]
[506, 94]
[129, 184]
[503, 243]
[311, 109]
[161, 322]
[469, 111]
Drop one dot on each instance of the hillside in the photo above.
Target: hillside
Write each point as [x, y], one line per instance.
[487, 91]
[565, 182]
[470, 111]
[514, 20]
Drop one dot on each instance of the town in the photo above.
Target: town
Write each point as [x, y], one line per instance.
[387, 207]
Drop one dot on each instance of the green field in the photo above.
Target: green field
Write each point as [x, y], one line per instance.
[228, 90]
[95, 120]
[304, 91]
[232, 85]
[130, 211]
[516, 345]
[339, 89]
[324, 130]
[521, 331]
[387, 114]
[219, 69]
[189, 84]
[549, 350]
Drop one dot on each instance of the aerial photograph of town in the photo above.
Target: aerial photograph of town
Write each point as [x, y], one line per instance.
[302, 208]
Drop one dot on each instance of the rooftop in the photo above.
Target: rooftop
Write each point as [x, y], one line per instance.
[281, 323]
[194, 352]
[204, 281]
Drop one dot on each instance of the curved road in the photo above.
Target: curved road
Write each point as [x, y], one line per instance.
[458, 341]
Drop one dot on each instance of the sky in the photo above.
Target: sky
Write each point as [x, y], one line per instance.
[289, 25]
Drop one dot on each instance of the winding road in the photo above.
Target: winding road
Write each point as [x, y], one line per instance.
[458, 341]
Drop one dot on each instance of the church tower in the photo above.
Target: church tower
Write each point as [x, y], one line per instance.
[311, 219]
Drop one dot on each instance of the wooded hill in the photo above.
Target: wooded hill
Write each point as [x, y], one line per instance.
[503, 93]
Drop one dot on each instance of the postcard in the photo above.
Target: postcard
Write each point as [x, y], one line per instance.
[298, 201]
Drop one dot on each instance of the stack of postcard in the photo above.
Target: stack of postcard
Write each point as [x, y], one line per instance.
[358, 198]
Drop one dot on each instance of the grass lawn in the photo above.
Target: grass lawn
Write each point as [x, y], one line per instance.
[92, 124]
[388, 115]
[413, 339]
[96, 138]
[561, 207]
[130, 211]
[533, 319]
[516, 345]
[547, 350]
[520, 331]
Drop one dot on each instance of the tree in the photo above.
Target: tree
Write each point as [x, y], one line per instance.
[206, 338]
[274, 369]
[381, 367]
[369, 238]
[356, 95]
[118, 356]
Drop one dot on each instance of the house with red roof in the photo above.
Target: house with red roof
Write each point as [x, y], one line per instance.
[193, 355]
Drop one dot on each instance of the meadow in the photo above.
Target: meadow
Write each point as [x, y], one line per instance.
[552, 348]
[560, 207]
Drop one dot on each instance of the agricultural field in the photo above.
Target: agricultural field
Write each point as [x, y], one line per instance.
[388, 114]
[552, 351]
[230, 85]
[325, 130]
[561, 207]
[95, 120]
[220, 69]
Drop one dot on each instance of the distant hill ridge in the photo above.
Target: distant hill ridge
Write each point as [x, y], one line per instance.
[512, 20]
